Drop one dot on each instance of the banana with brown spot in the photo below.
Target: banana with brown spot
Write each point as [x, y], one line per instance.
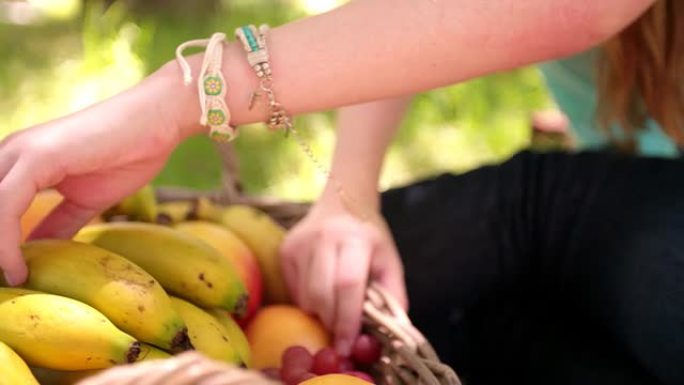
[207, 334]
[183, 264]
[130, 297]
[61, 333]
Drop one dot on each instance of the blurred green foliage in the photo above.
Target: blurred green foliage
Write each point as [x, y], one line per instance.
[56, 65]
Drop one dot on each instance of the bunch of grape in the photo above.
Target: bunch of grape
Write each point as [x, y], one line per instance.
[298, 364]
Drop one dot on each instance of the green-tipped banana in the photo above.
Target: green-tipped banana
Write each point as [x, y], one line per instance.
[141, 206]
[60, 333]
[207, 334]
[13, 370]
[131, 298]
[184, 265]
[235, 334]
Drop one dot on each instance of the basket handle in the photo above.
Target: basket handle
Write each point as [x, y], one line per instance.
[408, 358]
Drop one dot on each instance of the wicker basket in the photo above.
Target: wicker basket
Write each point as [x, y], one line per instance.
[407, 357]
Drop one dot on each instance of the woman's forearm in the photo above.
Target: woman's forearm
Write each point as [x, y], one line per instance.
[375, 49]
[363, 133]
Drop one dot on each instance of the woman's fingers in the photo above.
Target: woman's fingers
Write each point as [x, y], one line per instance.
[16, 193]
[350, 287]
[319, 284]
[6, 163]
[64, 221]
[327, 264]
[290, 250]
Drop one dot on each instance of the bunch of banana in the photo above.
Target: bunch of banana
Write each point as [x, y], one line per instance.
[13, 370]
[207, 334]
[170, 213]
[264, 237]
[235, 334]
[184, 265]
[236, 251]
[131, 298]
[254, 227]
[56, 332]
[71, 377]
[174, 212]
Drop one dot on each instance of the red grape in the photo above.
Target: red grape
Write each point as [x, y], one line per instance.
[326, 361]
[366, 349]
[346, 364]
[297, 357]
[291, 374]
[361, 375]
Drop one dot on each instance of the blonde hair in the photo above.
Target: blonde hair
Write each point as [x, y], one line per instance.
[641, 74]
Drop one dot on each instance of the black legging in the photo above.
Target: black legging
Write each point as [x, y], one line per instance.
[549, 269]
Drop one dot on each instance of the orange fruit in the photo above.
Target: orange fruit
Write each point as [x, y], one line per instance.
[335, 379]
[40, 207]
[275, 328]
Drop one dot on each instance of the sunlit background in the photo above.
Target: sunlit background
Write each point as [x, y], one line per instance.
[59, 56]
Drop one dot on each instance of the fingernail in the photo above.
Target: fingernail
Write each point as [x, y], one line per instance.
[343, 347]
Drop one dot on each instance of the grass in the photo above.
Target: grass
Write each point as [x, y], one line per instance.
[55, 67]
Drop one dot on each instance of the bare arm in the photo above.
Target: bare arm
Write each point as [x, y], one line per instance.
[366, 50]
[363, 133]
[375, 49]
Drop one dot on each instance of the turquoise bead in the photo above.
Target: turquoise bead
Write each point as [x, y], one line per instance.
[251, 39]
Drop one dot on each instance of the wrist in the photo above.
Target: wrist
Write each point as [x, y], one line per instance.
[184, 108]
[349, 197]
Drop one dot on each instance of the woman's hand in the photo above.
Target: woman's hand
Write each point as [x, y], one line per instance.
[93, 158]
[328, 259]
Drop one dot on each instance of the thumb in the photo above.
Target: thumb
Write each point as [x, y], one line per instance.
[64, 221]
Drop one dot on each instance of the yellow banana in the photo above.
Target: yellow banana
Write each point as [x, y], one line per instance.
[140, 206]
[13, 292]
[235, 334]
[207, 334]
[206, 209]
[184, 265]
[13, 370]
[61, 333]
[236, 251]
[264, 236]
[131, 298]
[174, 212]
[72, 377]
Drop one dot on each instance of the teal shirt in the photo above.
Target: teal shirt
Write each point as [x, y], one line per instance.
[572, 84]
